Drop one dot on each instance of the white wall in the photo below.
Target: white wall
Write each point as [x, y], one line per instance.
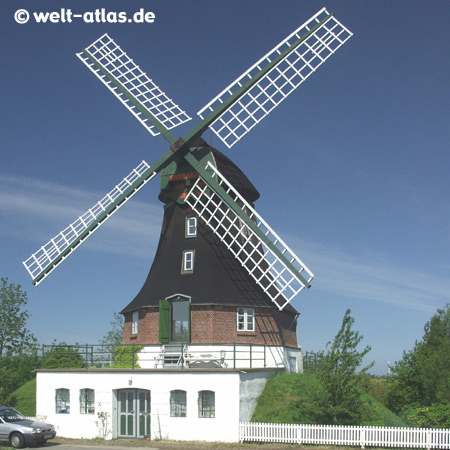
[251, 387]
[235, 395]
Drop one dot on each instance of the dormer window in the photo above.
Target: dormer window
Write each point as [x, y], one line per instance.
[187, 265]
[191, 227]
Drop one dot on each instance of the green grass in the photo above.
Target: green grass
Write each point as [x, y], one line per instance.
[289, 398]
[376, 414]
[24, 398]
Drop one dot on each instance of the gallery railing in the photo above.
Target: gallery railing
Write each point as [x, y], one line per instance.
[166, 356]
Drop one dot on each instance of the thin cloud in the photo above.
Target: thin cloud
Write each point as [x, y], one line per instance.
[36, 211]
[347, 275]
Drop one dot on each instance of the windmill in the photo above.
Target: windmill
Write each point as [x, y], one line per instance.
[214, 199]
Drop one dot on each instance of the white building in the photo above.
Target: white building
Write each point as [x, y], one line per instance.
[176, 404]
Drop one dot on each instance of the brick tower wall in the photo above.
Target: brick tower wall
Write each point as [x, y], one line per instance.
[218, 325]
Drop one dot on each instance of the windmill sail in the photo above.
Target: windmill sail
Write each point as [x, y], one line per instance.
[47, 258]
[132, 86]
[270, 262]
[276, 75]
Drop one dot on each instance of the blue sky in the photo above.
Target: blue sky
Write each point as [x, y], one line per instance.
[353, 169]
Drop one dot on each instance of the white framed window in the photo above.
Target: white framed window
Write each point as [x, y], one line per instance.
[62, 401]
[135, 322]
[246, 319]
[188, 261]
[191, 227]
[207, 404]
[177, 403]
[87, 401]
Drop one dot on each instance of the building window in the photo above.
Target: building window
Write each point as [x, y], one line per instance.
[62, 401]
[175, 319]
[135, 322]
[87, 401]
[191, 227]
[177, 403]
[246, 319]
[207, 404]
[188, 261]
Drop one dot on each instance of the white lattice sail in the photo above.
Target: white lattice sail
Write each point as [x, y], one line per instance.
[147, 96]
[269, 261]
[51, 254]
[281, 80]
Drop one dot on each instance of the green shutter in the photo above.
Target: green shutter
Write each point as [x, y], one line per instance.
[164, 321]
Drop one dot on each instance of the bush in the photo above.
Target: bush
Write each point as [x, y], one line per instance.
[63, 356]
[15, 370]
[435, 416]
[126, 357]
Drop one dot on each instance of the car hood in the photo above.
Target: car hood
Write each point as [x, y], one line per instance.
[33, 424]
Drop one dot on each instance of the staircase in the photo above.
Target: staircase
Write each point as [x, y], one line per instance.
[170, 356]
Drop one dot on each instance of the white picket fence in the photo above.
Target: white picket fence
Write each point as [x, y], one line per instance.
[345, 435]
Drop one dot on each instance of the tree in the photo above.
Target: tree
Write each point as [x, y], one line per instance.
[14, 335]
[114, 336]
[62, 356]
[422, 377]
[340, 385]
[15, 370]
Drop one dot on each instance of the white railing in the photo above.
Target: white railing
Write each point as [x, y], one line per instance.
[345, 435]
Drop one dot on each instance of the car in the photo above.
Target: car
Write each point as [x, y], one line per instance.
[20, 431]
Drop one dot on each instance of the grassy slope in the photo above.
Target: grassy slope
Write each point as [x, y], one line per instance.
[24, 398]
[288, 398]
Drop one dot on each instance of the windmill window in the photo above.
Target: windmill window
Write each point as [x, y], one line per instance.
[62, 401]
[207, 404]
[87, 401]
[177, 403]
[191, 227]
[246, 319]
[188, 261]
[135, 322]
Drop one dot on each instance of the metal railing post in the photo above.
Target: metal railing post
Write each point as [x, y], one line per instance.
[182, 356]
[265, 356]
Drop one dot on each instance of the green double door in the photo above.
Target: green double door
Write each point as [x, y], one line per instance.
[134, 413]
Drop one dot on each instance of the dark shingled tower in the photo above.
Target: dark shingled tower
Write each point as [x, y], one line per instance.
[217, 282]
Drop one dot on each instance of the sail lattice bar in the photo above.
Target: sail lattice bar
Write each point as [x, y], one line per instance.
[269, 261]
[131, 85]
[41, 263]
[287, 66]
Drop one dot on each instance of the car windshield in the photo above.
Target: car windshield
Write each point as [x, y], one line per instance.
[11, 415]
